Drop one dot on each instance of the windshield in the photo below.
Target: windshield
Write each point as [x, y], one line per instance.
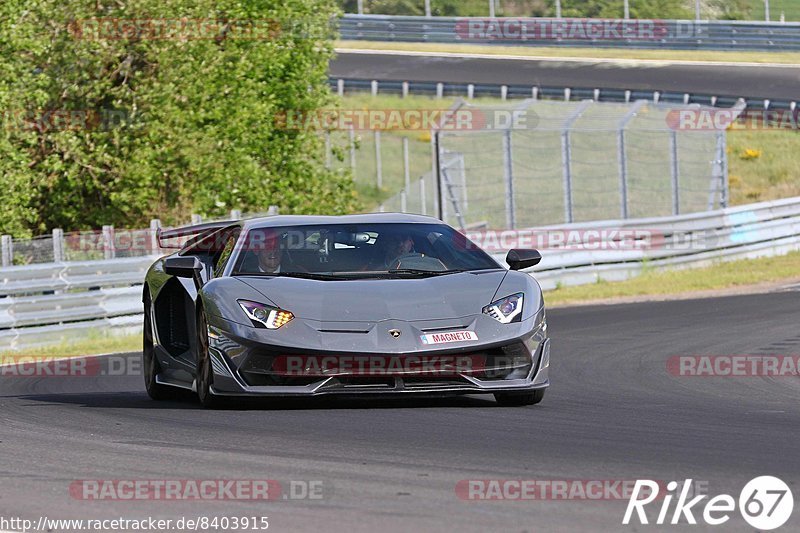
[345, 251]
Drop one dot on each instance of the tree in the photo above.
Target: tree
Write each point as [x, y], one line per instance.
[109, 121]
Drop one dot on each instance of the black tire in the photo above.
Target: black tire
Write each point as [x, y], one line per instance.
[150, 365]
[205, 376]
[511, 399]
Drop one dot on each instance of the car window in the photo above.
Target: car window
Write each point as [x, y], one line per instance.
[226, 253]
[353, 248]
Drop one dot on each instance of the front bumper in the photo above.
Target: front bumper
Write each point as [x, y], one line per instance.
[242, 364]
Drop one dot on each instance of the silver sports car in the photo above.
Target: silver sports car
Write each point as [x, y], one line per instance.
[387, 304]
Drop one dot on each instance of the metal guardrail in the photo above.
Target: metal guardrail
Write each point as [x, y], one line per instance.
[672, 34]
[48, 303]
[505, 91]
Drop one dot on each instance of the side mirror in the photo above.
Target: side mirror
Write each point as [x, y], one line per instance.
[183, 267]
[520, 258]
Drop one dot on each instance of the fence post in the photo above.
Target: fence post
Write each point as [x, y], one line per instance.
[723, 165]
[155, 224]
[566, 157]
[58, 245]
[428, 8]
[491, 9]
[378, 159]
[109, 252]
[403, 202]
[422, 199]
[623, 173]
[508, 177]
[406, 166]
[622, 157]
[7, 246]
[674, 172]
[352, 135]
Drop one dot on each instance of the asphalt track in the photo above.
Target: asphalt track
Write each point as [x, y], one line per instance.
[612, 413]
[750, 81]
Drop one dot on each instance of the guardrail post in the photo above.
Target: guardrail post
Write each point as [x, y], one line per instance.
[378, 160]
[7, 246]
[109, 251]
[439, 90]
[405, 89]
[674, 172]
[374, 87]
[272, 211]
[504, 92]
[470, 91]
[567, 94]
[340, 87]
[155, 224]
[58, 245]
[196, 219]
[236, 214]
[508, 177]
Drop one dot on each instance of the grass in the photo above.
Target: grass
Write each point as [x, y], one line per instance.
[763, 165]
[724, 275]
[95, 344]
[790, 8]
[593, 53]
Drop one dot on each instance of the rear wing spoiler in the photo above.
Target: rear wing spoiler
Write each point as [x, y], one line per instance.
[198, 229]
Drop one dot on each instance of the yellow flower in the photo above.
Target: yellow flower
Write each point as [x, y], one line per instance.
[750, 153]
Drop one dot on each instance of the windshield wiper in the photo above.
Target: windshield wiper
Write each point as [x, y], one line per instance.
[419, 272]
[301, 275]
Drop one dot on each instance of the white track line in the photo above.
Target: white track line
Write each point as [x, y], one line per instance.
[624, 62]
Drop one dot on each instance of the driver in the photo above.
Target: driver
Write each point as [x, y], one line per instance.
[266, 252]
[396, 246]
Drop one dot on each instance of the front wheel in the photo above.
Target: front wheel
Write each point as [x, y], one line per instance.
[205, 373]
[512, 399]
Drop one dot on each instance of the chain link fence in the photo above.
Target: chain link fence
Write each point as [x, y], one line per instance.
[564, 162]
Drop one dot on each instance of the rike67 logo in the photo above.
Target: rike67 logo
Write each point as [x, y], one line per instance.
[765, 503]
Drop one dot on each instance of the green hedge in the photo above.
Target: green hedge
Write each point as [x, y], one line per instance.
[104, 127]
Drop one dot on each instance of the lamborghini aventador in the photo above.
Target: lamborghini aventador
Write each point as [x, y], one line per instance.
[388, 304]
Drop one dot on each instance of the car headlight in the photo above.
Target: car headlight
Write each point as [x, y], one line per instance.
[506, 310]
[265, 316]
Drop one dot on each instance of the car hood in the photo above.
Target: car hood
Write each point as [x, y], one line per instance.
[371, 300]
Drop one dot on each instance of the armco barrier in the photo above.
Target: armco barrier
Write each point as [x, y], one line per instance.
[673, 34]
[47, 303]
